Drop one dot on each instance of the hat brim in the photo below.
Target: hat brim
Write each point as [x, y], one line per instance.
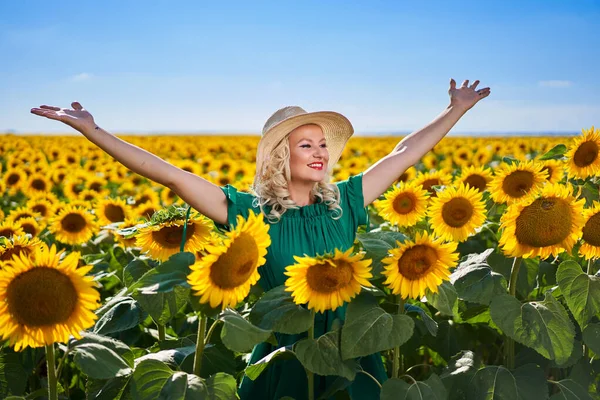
[337, 129]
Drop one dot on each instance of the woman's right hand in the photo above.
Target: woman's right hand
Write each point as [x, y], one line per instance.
[78, 117]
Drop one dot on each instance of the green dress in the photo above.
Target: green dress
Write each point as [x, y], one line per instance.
[307, 230]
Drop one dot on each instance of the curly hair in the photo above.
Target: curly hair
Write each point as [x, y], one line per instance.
[271, 186]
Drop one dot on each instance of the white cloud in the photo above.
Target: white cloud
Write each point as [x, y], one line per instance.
[84, 76]
[555, 84]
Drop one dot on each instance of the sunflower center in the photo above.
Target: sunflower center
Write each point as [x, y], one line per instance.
[114, 213]
[547, 169]
[591, 230]
[7, 232]
[41, 296]
[476, 181]
[326, 278]
[13, 178]
[170, 236]
[586, 154]
[96, 186]
[546, 222]
[38, 184]
[404, 203]
[403, 177]
[457, 212]
[29, 228]
[417, 261]
[427, 185]
[518, 183]
[40, 208]
[73, 223]
[17, 249]
[234, 267]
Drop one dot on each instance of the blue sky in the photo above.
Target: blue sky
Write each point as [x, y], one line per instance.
[141, 66]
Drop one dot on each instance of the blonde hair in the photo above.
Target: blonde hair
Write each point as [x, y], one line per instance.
[271, 186]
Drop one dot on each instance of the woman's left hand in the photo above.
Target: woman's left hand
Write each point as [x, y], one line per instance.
[466, 96]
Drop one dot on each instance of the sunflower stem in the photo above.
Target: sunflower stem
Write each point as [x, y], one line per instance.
[396, 354]
[52, 393]
[586, 349]
[199, 343]
[589, 267]
[509, 349]
[161, 332]
[309, 374]
[210, 331]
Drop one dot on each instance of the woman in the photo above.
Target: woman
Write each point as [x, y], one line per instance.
[295, 157]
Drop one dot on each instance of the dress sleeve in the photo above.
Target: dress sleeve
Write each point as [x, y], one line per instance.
[351, 195]
[238, 203]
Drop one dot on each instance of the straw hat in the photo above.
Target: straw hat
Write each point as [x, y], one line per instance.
[336, 128]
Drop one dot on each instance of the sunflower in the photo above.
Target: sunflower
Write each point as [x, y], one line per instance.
[9, 229]
[224, 276]
[73, 225]
[125, 242]
[476, 177]
[430, 179]
[111, 210]
[39, 205]
[326, 282]
[457, 212]
[147, 195]
[517, 182]
[146, 210]
[413, 267]
[554, 168]
[31, 226]
[37, 183]
[583, 158]
[20, 213]
[404, 205]
[13, 180]
[44, 299]
[17, 245]
[169, 197]
[164, 239]
[407, 175]
[590, 246]
[548, 223]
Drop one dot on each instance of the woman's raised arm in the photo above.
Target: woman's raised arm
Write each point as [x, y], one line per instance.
[201, 194]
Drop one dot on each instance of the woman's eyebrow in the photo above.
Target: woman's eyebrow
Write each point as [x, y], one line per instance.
[310, 140]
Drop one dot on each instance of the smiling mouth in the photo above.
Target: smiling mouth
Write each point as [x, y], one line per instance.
[317, 166]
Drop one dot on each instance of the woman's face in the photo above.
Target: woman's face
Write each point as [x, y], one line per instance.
[308, 147]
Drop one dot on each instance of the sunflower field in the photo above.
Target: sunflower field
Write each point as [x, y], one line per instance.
[476, 276]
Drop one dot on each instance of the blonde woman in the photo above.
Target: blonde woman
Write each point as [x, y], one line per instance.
[307, 214]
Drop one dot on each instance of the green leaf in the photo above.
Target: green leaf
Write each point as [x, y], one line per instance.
[253, 371]
[496, 382]
[277, 311]
[322, 356]
[13, 374]
[476, 282]
[171, 357]
[554, 153]
[581, 291]
[240, 335]
[123, 314]
[430, 389]
[430, 324]
[544, 326]
[100, 362]
[153, 379]
[377, 245]
[369, 329]
[168, 275]
[570, 390]
[445, 300]
[591, 337]
[134, 271]
[111, 389]
[163, 306]
[459, 372]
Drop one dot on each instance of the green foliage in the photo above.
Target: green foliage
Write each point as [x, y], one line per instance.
[240, 335]
[323, 356]
[277, 311]
[369, 329]
[430, 389]
[524, 383]
[555, 153]
[543, 326]
[581, 291]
